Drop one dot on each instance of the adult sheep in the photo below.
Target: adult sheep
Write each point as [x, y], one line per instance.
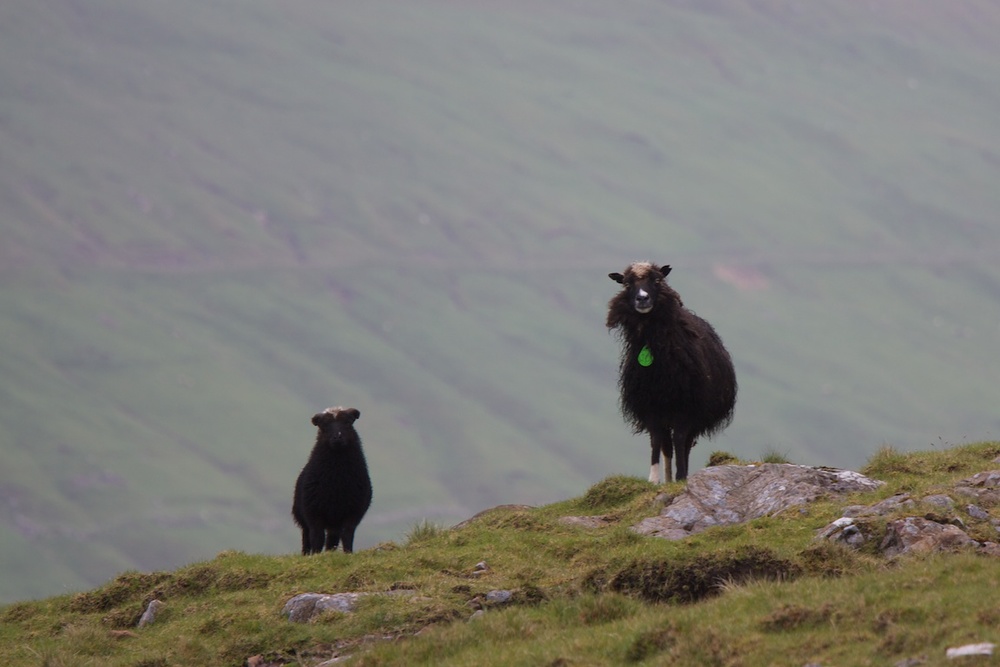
[676, 378]
[333, 491]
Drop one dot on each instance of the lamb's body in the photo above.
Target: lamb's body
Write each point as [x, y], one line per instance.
[676, 378]
[333, 491]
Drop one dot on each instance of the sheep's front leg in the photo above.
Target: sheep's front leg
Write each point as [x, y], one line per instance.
[659, 443]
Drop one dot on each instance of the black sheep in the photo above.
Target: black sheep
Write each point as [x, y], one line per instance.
[333, 491]
[676, 378]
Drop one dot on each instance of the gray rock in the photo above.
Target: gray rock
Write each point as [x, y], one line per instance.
[939, 500]
[983, 487]
[888, 506]
[149, 615]
[499, 597]
[990, 549]
[303, 608]
[919, 535]
[845, 530]
[977, 512]
[989, 479]
[725, 495]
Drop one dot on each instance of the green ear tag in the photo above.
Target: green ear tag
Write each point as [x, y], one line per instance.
[645, 356]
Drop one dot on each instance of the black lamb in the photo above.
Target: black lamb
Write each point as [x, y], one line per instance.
[333, 491]
[676, 378]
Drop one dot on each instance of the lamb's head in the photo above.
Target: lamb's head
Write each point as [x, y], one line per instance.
[336, 425]
[642, 282]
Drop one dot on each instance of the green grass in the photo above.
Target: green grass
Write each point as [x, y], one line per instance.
[763, 593]
[218, 220]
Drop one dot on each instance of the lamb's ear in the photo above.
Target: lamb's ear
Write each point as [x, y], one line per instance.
[665, 269]
[617, 277]
[317, 418]
[353, 413]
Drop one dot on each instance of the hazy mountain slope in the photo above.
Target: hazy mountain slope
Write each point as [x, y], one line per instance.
[218, 219]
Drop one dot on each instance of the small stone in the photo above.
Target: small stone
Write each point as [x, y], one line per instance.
[499, 597]
[481, 566]
[940, 500]
[984, 648]
[149, 615]
[977, 512]
[479, 613]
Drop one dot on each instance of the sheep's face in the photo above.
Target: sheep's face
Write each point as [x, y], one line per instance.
[336, 425]
[642, 282]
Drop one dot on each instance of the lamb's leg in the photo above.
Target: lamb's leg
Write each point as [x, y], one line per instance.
[315, 538]
[348, 537]
[305, 541]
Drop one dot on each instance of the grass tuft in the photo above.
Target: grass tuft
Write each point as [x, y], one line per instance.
[774, 456]
[423, 531]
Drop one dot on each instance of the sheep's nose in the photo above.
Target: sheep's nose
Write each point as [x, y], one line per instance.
[643, 302]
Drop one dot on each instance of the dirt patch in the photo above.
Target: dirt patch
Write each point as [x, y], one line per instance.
[127, 587]
[692, 579]
[793, 617]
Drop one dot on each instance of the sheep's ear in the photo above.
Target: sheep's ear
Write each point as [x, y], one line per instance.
[354, 414]
[617, 277]
[665, 270]
[317, 418]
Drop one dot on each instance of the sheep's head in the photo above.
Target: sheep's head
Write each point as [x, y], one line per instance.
[336, 425]
[642, 282]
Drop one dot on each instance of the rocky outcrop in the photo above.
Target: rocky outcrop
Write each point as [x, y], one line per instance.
[725, 495]
[943, 528]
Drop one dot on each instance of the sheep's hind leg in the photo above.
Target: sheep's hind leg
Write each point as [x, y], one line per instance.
[683, 442]
[348, 537]
[332, 539]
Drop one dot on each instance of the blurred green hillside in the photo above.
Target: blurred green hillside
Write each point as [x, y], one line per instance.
[220, 218]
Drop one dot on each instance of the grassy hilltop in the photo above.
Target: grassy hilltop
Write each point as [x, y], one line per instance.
[218, 219]
[762, 593]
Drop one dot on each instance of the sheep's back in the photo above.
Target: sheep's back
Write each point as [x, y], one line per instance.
[691, 378]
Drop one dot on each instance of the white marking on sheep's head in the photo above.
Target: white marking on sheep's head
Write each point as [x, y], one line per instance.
[642, 282]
